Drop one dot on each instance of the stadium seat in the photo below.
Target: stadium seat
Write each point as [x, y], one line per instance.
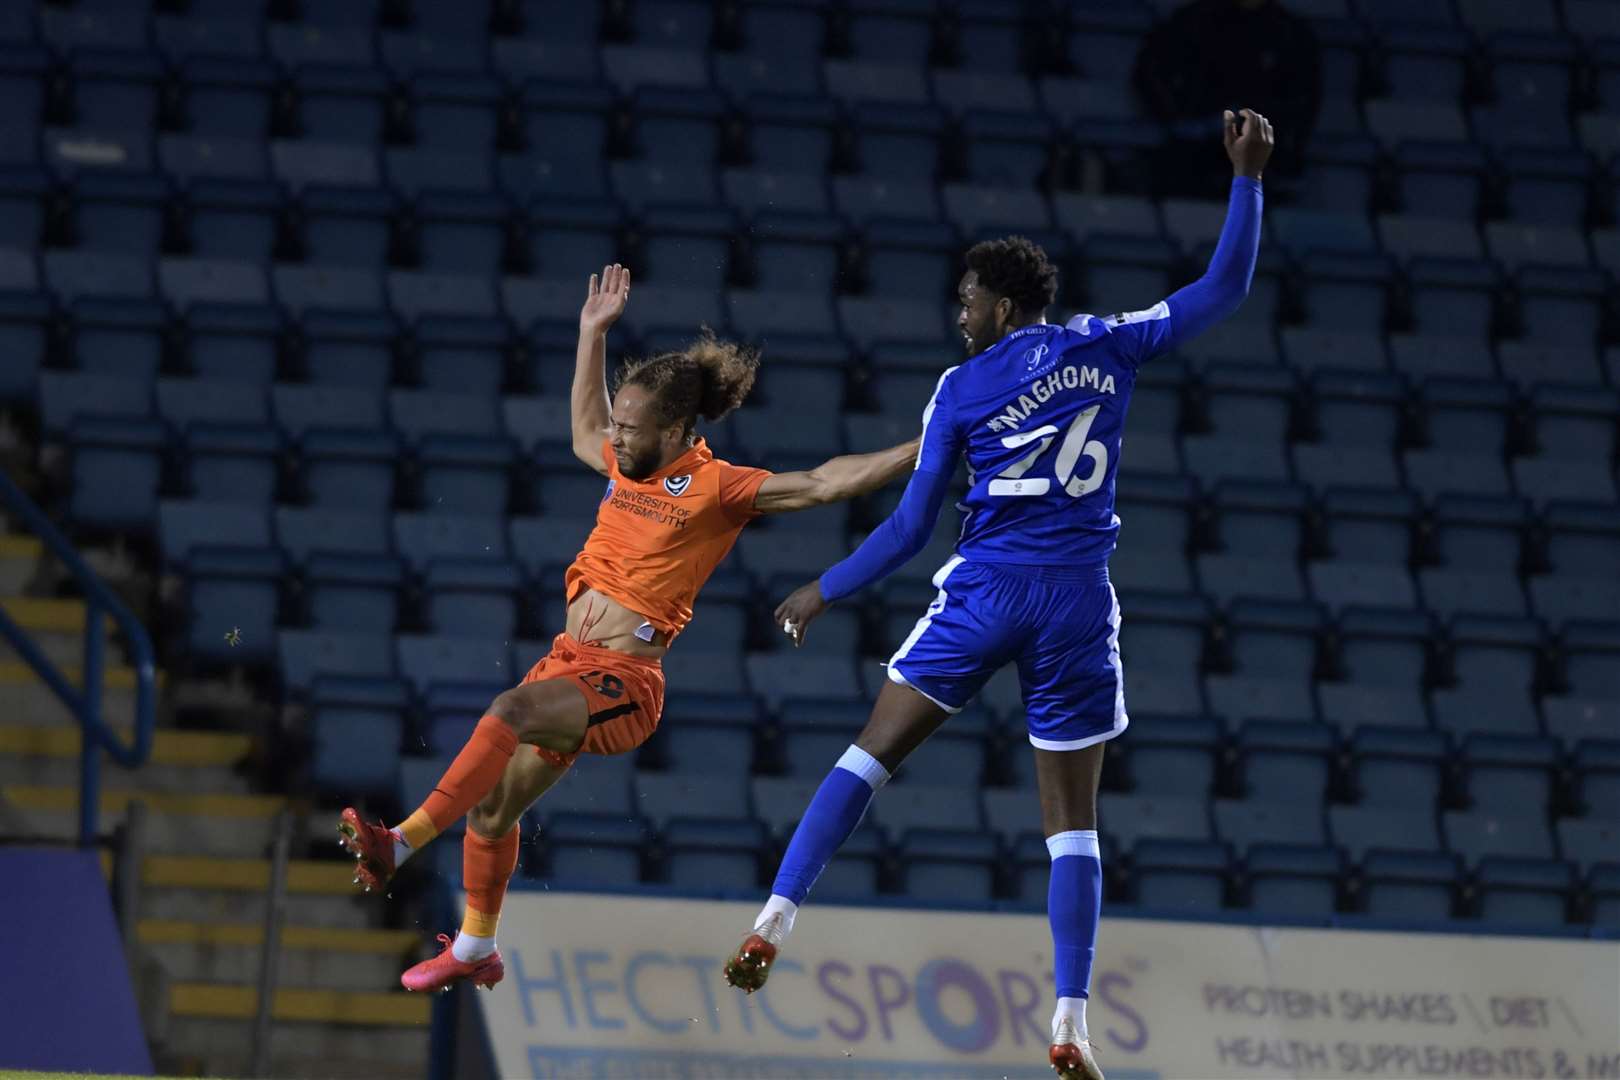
[1590, 653]
[1161, 645]
[1129, 818]
[714, 855]
[1180, 876]
[598, 785]
[1399, 767]
[1478, 542]
[1273, 648]
[1524, 892]
[1475, 835]
[1598, 765]
[1507, 774]
[1409, 886]
[1494, 661]
[948, 866]
[352, 592]
[1568, 418]
[1286, 762]
[588, 850]
[661, 798]
[1173, 755]
[1293, 882]
[706, 734]
[1360, 829]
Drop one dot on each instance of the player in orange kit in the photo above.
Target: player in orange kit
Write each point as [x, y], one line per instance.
[671, 512]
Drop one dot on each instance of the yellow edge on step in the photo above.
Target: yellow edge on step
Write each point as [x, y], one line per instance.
[169, 747]
[48, 614]
[224, 1002]
[15, 672]
[245, 875]
[14, 546]
[327, 939]
[29, 797]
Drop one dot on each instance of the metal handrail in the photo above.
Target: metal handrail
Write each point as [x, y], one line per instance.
[85, 704]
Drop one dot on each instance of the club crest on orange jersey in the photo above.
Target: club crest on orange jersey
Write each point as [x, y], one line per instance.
[677, 485]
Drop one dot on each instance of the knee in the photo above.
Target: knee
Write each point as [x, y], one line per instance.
[514, 709]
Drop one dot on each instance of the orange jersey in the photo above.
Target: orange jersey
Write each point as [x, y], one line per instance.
[657, 540]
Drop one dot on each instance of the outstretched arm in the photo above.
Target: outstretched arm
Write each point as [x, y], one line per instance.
[834, 480]
[589, 408]
[1218, 293]
[890, 546]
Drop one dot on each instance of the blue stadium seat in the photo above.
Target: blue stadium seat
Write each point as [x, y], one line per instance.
[1173, 755]
[1161, 643]
[1180, 876]
[1475, 835]
[954, 754]
[779, 802]
[234, 343]
[303, 655]
[231, 602]
[1409, 886]
[1603, 884]
[356, 750]
[798, 554]
[1248, 822]
[590, 850]
[1346, 293]
[595, 785]
[1260, 531]
[664, 797]
[1478, 541]
[1274, 652]
[1248, 409]
[302, 533]
[1130, 818]
[473, 597]
[1574, 433]
[421, 538]
[1384, 655]
[1587, 842]
[1153, 513]
[541, 545]
[1467, 431]
[352, 592]
[1358, 418]
[117, 472]
[1286, 762]
[1494, 661]
[948, 866]
[1292, 881]
[1360, 829]
[185, 526]
[1011, 814]
[120, 213]
[707, 734]
[349, 469]
[714, 855]
[934, 805]
[1597, 763]
[428, 661]
[1399, 767]
[1440, 180]
[1590, 651]
[1524, 892]
[455, 110]
[707, 673]
[1450, 295]
[232, 464]
[1507, 774]
[1573, 719]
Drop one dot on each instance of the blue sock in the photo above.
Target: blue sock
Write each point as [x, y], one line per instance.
[833, 814]
[1073, 902]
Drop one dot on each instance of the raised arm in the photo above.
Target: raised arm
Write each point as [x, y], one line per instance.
[834, 480]
[589, 407]
[1217, 294]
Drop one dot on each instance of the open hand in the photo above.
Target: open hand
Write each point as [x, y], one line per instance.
[1250, 150]
[795, 613]
[605, 301]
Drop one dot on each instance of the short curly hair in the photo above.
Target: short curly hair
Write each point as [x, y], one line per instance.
[708, 378]
[1017, 268]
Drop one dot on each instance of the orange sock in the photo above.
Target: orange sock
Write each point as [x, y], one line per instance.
[486, 867]
[474, 774]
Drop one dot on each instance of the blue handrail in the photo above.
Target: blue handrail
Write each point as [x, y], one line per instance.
[99, 601]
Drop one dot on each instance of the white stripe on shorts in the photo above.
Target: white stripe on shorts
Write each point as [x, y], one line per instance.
[923, 623]
[1121, 720]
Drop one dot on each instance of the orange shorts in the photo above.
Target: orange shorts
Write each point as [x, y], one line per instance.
[624, 694]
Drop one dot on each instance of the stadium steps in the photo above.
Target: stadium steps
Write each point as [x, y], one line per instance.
[181, 762]
[177, 822]
[327, 1033]
[339, 1009]
[312, 957]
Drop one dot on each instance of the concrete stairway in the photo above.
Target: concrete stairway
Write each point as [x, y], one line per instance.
[204, 878]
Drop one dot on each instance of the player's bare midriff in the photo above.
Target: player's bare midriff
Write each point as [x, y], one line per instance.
[595, 619]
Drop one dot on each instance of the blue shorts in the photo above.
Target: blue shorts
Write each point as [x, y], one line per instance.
[1063, 635]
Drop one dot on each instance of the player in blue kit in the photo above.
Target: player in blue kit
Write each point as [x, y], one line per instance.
[1038, 410]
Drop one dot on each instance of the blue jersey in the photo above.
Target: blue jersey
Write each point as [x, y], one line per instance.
[1040, 417]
